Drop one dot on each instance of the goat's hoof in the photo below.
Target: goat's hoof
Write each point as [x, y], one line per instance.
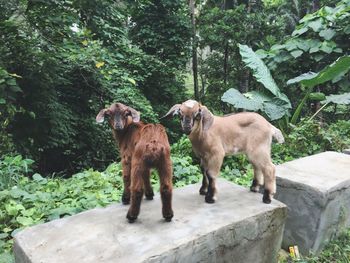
[126, 201]
[203, 191]
[168, 217]
[254, 189]
[149, 196]
[130, 218]
[266, 197]
[209, 199]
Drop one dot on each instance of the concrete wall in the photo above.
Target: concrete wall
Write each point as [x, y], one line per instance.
[237, 228]
[316, 190]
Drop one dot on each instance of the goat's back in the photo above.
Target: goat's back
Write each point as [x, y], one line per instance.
[243, 121]
[151, 132]
[242, 131]
[153, 145]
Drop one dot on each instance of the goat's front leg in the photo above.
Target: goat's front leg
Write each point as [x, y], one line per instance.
[166, 188]
[136, 188]
[204, 188]
[126, 164]
[212, 171]
[258, 180]
[147, 183]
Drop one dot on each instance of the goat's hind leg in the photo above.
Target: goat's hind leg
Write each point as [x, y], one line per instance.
[204, 188]
[126, 179]
[147, 183]
[270, 182]
[166, 188]
[137, 172]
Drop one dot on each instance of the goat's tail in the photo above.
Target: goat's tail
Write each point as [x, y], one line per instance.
[277, 135]
[153, 153]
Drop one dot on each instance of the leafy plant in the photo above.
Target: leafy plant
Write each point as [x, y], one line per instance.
[271, 102]
[338, 68]
[12, 168]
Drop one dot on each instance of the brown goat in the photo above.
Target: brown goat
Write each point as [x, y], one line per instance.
[214, 137]
[142, 147]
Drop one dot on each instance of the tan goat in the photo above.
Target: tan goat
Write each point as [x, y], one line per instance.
[214, 137]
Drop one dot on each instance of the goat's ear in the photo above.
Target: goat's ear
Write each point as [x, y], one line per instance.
[134, 114]
[173, 111]
[207, 119]
[101, 115]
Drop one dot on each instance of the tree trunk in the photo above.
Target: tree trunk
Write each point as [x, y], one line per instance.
[225, 66]
[244, 87]
[226, 62]
[194, 51]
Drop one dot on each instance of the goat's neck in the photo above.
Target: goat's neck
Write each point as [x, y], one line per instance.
[197, 132]
[121, 137]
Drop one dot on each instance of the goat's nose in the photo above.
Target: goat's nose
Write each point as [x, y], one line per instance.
[187, 132]
[118, 127]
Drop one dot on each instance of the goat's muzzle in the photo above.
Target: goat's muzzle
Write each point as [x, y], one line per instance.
[187, 130]
[118, 127]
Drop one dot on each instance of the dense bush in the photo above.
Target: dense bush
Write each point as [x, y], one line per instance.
[39, 199]
[62, 61]
[310, 137]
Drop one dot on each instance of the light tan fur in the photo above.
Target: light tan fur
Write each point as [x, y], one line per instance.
[214, 137]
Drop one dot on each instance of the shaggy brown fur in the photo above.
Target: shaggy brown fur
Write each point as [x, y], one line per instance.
[214, 137]
[142, 147]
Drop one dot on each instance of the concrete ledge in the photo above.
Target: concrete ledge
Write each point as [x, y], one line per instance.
[316, 190]
[238, 228]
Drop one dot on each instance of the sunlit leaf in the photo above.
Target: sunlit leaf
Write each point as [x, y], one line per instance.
[132, 81]
[261, 72]
[15, 75]
[340, 66]
[338, 99]
[99, 64]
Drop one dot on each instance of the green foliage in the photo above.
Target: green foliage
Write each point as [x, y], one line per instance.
[273, 103]
[8, 94]
[238, 170]
[338, 99]
[332, 72]
[337, 69]
[38, 200]
[318, 40]
[69, 59]
[162, 30]
[337, 251]
[182, 147]
[184, 171]
[11, 169]
[261, 72]
[221, 29]
[309, 137]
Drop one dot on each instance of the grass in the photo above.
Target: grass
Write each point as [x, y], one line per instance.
[337, 251]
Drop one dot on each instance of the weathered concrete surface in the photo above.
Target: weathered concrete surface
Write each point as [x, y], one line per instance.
[237, 228]
[316, 190]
